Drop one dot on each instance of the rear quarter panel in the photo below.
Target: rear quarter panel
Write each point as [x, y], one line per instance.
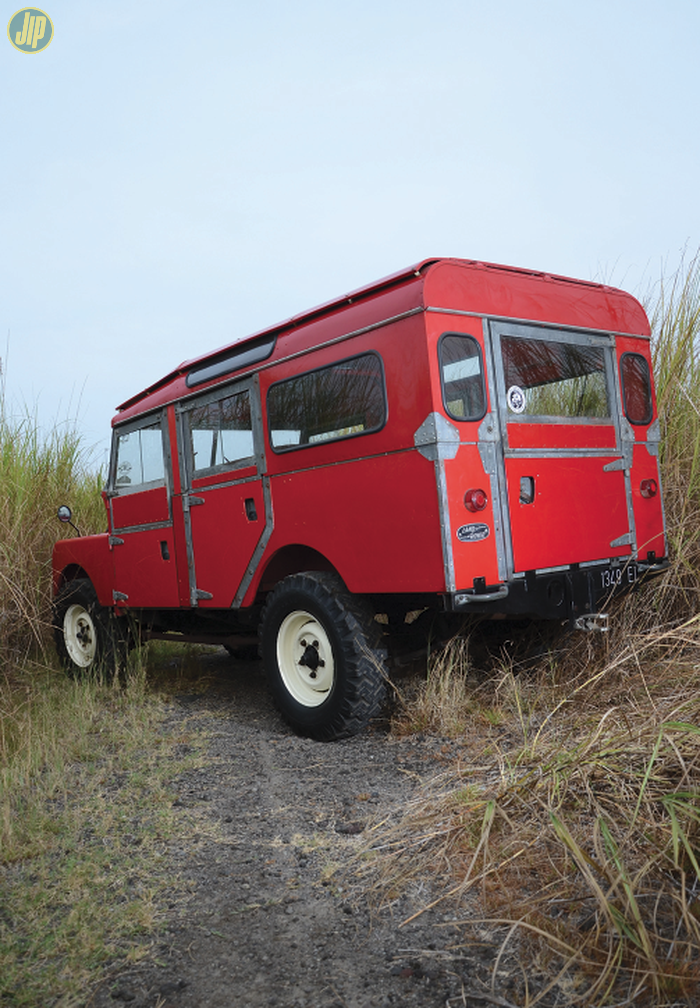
[368, 503]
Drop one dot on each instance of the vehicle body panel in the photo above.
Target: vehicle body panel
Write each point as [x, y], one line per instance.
[387, 502]
[86, 556]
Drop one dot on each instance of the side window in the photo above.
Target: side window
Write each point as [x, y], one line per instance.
[636, 388]
[334, 402]
[462, 375]
[219, 433]
[139, 457]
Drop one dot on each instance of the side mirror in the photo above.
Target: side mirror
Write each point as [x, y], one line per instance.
[65, 515]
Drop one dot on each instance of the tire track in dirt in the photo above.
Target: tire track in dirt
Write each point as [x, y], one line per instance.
[269, 923]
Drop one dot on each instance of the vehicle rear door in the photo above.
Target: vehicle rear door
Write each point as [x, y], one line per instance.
[225, 499]
[564, 448]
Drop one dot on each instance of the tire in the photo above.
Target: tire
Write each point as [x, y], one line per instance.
[86, 635]
[322, 656]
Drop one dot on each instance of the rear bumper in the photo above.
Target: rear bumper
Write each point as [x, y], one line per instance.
[558, 593]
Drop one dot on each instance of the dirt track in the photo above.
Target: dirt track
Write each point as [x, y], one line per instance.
[269, 922]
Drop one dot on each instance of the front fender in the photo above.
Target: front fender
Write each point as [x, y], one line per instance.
[85, 556]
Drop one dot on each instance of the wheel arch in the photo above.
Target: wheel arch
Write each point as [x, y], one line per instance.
[292, 559]
[73, 572]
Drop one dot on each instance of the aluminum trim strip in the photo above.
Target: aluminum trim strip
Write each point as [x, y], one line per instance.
[445, 527]
[127, 529]
[260, 546]
[533, 322]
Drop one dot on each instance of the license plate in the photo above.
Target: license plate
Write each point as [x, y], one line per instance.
[619, 577]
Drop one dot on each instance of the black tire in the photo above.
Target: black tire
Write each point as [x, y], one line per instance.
[87, 636]
[322, 655]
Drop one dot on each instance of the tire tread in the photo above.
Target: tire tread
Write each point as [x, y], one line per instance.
[363, 654]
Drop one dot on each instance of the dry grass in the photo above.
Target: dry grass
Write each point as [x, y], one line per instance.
[572, 813]
[675, 318]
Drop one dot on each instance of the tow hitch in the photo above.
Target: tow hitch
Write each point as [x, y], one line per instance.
[594, 621]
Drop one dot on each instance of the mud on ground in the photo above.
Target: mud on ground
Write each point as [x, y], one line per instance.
[270, 920]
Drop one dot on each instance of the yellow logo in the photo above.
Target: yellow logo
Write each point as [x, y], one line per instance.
[30, 30]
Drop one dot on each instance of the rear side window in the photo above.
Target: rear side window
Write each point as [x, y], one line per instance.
[636, 388]
[462, 376]
[344, 400]
[139, 457]
[220, 433]
[549, 378]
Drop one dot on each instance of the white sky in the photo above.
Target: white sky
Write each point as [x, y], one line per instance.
[175, 176]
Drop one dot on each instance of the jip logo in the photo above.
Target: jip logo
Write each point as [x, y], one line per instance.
[30, 30]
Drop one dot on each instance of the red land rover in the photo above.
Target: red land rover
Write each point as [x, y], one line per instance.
[458, 438]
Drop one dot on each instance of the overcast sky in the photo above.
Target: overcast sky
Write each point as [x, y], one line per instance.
[174, 176]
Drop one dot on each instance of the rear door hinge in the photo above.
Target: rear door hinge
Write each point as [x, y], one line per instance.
[624, 540]
[118, 596]
[115, 541]
[190, 502]
[621, 463]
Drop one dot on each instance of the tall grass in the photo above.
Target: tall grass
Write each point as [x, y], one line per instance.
[38, 472]
[571, 812]
[85, 802]
[675, 318]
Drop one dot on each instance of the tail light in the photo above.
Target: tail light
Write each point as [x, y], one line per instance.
[475, 500]
[648, 488]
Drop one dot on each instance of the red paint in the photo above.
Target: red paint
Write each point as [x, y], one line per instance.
[433, 502]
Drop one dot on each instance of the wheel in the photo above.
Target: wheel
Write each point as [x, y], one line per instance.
[86, 635]
[321, 652]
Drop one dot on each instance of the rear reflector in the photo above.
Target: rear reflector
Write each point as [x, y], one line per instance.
[648, 488]
[475, 500]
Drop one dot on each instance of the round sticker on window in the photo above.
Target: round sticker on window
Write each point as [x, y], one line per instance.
[515, 397]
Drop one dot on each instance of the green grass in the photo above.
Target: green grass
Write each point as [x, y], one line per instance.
[86, 767]
[87, 818]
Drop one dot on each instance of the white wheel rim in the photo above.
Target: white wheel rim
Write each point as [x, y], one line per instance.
[80, 636]
[305, 658]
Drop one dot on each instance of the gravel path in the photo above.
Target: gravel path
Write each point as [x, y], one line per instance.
[270, 922]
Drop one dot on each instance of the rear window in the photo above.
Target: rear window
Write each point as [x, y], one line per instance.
[462, 375]
[636, 388]
[344, 400]
[552, 378]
